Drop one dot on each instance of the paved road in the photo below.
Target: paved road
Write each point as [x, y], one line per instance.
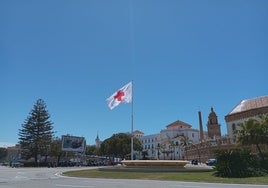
[51, 178]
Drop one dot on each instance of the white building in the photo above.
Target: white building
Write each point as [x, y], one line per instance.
[166, 144]
[149, 144]
[246, 109]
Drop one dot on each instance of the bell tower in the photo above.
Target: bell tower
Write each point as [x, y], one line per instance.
[97, 141]
[214, 129]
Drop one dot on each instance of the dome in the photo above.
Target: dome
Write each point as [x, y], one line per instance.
[250, 104]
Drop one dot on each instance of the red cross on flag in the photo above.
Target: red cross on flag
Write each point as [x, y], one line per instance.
[123, 95]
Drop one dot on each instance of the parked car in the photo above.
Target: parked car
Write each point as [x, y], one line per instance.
[211, 162]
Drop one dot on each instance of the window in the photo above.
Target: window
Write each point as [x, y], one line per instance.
[233, 127]
[193, 135]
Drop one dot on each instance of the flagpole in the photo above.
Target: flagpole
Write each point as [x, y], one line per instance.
[132, 121]
[131, 35]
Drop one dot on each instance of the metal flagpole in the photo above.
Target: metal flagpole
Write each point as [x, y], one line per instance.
[132, 139]
[131, 34]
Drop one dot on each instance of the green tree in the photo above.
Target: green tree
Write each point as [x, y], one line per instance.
[254, 132]
[118, 145]
[3, 154]
[238, 163]
[36, 133]
[144, 154]
[55, 149]
[92, 150]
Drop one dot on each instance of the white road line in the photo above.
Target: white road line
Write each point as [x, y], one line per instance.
[188, 186]
[210, 185]
[80, 186]
[21, 177]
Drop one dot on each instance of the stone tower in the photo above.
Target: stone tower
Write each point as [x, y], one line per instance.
[214, 129]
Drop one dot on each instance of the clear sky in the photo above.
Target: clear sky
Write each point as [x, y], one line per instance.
[183, 56]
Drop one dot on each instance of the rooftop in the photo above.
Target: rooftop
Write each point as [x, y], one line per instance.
[249, 104]
[178, 123]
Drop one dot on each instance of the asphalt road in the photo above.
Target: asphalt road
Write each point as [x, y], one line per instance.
[51, 178]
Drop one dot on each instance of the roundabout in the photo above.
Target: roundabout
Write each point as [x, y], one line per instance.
[158, 166]
[155, 163]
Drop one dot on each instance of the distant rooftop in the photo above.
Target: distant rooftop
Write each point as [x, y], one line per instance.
[178, 123]
[250, 104]
[137, 132]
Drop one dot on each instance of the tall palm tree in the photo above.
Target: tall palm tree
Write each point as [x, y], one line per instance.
[184, 143]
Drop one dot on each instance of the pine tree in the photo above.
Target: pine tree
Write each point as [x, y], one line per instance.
[37, 132]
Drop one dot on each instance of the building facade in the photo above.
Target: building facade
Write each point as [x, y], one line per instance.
[246, 109]
[167, 143]
[214, 129]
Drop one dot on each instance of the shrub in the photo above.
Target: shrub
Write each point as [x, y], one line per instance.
[238, 163]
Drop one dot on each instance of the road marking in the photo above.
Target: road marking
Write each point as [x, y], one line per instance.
[212, 185]
[21, 177]
[188, 186]
[81, 186]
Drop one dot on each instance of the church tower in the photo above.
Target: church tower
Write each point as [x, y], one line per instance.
[214, 129]
[97, 141]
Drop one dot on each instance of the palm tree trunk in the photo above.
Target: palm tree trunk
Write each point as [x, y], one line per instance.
[260, 152]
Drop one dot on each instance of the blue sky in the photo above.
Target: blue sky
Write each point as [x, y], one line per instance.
[183, 56]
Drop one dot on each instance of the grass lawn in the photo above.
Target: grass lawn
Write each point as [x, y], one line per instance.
[172, 176]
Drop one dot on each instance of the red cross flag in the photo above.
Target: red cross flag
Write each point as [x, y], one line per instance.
[123, 95]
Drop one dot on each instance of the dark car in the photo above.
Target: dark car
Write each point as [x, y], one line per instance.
[211, 162]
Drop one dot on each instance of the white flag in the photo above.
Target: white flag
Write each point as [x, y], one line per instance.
[123, 95]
